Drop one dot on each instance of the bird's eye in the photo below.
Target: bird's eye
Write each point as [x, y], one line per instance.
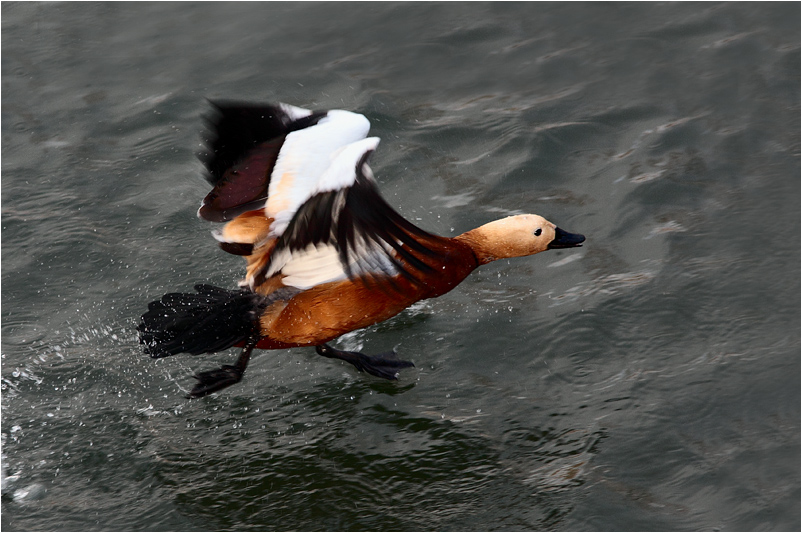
[538, 231]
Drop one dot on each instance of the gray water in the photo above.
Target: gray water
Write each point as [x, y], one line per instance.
[647, 381]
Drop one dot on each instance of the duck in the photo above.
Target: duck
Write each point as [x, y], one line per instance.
[325, 253]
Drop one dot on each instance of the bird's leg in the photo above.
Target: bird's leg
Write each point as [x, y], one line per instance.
[214, 380]
[384, 365]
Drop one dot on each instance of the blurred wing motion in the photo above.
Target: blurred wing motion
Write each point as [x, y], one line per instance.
[300, 199]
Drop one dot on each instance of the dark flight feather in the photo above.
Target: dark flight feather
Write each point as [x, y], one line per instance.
[242, 144]
[360, 224]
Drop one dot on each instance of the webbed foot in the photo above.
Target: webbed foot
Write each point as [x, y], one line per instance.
[214, 380]
[218, 379]
[385, 365]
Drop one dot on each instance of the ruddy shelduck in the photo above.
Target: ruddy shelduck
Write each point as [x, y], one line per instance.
[326, 254]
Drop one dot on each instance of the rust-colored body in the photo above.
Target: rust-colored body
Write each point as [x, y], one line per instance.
[325, 253]
[324, 312]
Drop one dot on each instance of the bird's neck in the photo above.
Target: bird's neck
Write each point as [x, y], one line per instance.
[477, 241]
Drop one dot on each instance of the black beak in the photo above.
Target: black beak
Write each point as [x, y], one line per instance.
[563, 239]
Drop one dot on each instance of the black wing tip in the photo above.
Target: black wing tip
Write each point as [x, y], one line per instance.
[386, 223]
[242, 142]
[234, 128]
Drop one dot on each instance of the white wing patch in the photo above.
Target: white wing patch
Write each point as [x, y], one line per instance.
[319, 264]
[304, 159]
[312, 266]
[342, 171]
[315, 265]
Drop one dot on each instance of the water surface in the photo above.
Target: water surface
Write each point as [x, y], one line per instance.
[647, 381]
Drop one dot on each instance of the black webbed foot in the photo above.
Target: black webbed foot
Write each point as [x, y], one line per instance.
[385, 365]
[218, 379]
[214, 380]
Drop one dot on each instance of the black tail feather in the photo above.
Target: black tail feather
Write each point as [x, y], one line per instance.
[208, 321]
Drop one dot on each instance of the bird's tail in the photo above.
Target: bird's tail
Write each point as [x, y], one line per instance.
[210, 320]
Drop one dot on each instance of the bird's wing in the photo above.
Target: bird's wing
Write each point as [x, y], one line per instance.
[343, 228]
[306, 164]
[242, 144]
[301, 200]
